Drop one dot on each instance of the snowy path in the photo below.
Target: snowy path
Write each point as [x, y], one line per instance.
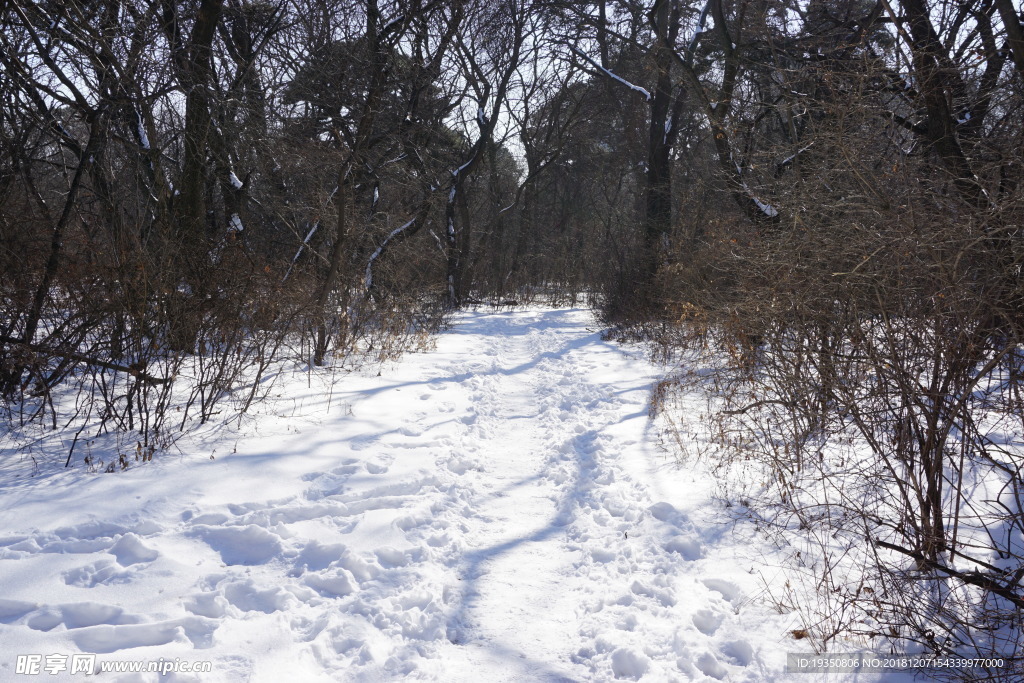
[493, 510]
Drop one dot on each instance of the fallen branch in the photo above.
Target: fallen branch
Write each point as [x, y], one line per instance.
[757, 404]
[137, 370]
[974, 578]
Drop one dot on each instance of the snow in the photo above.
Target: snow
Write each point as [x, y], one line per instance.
[498, 508]
[143, 138]
[788, 160]
[766, 209]
[390, 26]
[701, 28]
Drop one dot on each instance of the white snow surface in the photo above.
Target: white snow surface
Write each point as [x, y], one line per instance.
[497, 509]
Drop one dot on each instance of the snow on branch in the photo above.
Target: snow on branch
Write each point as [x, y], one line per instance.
[368, 279]
[701, 28]
[611, 74]
[305, 242]
[393, 24]
[295, 259]
[792, 157]
[767, 209]
[140, 131]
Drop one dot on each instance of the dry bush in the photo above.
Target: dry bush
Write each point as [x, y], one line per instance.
[860, 367]
[863, 379]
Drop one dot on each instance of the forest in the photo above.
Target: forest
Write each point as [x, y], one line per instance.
[812, 209]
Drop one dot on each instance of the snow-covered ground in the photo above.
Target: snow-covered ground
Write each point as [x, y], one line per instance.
[496, 509]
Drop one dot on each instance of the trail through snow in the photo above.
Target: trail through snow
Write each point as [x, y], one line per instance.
[495, 510]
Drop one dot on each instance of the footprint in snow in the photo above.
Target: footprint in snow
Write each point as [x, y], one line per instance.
[91, 537]
[628, 663]
[664, 595]
[101, 628]
[212, 518]
[377, 467]
[309, 629]
[89, 531]
[79, 615]
[102, 572]
[729, 590]
[666, 512]
[710, 666]
[462, 465]
[103, 639]
[248, 545]
[129, 550]
[688, 548]
[13, 610]
[738, 652]
[298, 513]
[348, 469]
[707, 622]
[335, 583]
[247, 597]
[316, 556]
[211, 604]
[391, 558]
